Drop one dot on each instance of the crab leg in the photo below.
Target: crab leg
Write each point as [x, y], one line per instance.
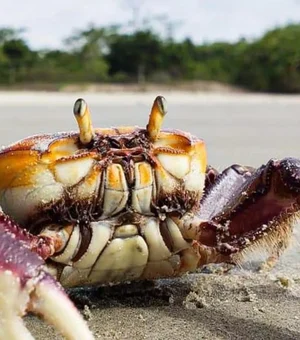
[245, 208]
[26, 286]
[43, 245]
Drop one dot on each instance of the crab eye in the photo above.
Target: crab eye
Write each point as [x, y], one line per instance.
[158, 111]
[83, 117]
[115, 144]
[162, 104]
[80, 107]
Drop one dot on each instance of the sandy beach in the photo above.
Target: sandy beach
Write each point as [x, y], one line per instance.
[201, 306]
[242, 304]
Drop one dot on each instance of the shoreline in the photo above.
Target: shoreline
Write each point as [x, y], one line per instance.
[24, 98]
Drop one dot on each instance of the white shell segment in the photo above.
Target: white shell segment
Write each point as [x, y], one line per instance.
[115, 190]
[165, 182]
[123, 259]
[72, 277]
[22, 201]
[177, 165]
[157, 248]
[164, 268]
[179, 172]
[72, 171]
[143, 190]
[71, 248]
[89, 187]
[101, 234]
[179, 243]
[195, 179]
[126, 230]
[114, 202]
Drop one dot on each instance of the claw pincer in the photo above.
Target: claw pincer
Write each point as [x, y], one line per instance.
[257, 207]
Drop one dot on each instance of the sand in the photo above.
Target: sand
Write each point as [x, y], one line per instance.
[243, 304]
[198, 306]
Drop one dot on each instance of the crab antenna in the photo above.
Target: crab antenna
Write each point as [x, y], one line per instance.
[83, 117]
[158, 111]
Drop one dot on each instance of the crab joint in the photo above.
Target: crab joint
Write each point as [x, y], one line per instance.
[83, 117]
[157, 114]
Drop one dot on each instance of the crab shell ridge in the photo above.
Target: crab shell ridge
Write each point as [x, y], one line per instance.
[120, 169]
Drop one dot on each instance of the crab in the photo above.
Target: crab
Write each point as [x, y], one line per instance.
[112, 205]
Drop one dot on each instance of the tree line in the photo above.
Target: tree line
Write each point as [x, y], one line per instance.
[270, 63]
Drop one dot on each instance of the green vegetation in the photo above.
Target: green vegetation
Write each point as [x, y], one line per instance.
[97, 55]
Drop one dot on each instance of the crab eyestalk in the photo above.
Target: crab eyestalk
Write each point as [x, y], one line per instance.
[158, 111]
[83, 117]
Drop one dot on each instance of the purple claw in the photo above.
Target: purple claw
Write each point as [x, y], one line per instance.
[244, 207]
[26, 286]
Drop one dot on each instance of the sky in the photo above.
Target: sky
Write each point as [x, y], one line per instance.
[47, 23]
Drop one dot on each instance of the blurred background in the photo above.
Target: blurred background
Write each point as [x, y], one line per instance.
[192, 45]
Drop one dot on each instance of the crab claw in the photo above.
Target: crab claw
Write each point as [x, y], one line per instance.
[252, 207]
[26, 286]
[244, 209]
